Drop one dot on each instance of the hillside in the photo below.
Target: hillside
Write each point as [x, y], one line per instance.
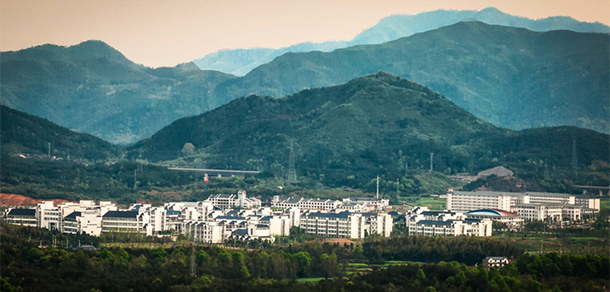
[241, 61]
[27, 134]
[346, 134]
[92, 88]
[510, 77]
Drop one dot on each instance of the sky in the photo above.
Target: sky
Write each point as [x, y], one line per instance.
[159, 33]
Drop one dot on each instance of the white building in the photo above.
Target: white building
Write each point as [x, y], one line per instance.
[23, 217]
[344, 224]
[224, 201]
[124, 221]
[421, 221]
[206, 232]
[530, 205]
[86, 221]
[512, 220]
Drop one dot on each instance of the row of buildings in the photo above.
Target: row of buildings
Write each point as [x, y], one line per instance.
[531, 206]
[214, 220]
[422, 221]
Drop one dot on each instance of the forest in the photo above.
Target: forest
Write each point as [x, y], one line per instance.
[26, 265]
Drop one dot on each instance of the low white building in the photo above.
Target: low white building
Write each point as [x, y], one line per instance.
[124, 221]
[421, 221]
[512, 220]
[23, 217]
[229, 201]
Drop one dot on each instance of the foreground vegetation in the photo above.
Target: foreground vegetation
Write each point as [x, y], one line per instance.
[320, 266]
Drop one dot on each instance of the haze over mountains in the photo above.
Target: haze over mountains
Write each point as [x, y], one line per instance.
[508, 76]
[241, 61]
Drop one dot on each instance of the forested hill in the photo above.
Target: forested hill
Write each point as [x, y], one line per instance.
[377, 124]
[93, 88]
[510, 77]
[27, 134]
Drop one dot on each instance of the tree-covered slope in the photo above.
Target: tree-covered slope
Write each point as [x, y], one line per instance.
[378, 124]
[27, 134]
[510, 77]
[93, 88]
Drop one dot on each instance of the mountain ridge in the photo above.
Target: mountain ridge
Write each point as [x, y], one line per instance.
[23, 133]
[495, 72]
[387, 29]
[93, 88]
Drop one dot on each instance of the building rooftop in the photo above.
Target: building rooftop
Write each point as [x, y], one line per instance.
[22, 212]
[491, 213]
[121, 214]
[73, 215]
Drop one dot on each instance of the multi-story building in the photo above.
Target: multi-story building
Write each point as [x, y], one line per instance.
[512, 220]
[361, 204]
[204, 231]
[124, 221]
[87, 221]
[344, 224]
[378, 223]
[531, 205]
[466, 201]
[421, 221]
[23, 217]
[224, 201]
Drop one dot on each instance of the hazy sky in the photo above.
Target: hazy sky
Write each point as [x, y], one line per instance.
[164, 33]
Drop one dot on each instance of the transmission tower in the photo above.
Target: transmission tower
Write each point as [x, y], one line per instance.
[292, 172]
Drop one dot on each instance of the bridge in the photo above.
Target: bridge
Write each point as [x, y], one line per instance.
[599, 189]
[217, 172]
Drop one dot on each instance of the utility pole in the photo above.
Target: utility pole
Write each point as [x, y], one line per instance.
[135, 179]
[49, 147]
[431, 161]
[292, 172]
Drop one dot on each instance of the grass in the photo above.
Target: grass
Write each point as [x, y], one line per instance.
[310, 280]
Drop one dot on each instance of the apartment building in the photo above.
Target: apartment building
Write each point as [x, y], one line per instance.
[344, 224]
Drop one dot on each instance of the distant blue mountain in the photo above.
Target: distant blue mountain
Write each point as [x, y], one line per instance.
[241, 61]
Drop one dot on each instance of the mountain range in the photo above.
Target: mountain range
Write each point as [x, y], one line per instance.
[93, 88]
[511, 77]
[377, 124]
[241, 61]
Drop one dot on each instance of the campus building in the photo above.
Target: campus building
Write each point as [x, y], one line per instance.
[530, 205]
